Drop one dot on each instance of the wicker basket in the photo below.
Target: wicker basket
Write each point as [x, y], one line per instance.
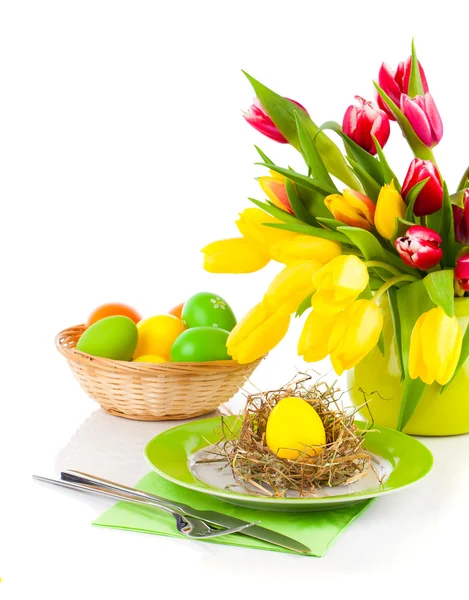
[153, 392]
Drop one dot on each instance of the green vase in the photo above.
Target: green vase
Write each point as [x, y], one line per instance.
[378, 377]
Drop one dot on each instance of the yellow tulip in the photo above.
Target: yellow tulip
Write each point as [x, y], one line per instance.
[236, 255]
[256, 334]
[290, 287]
[389, 206]
[338, 284]
[435, 346]
[313, 344]
[352, 208]
[275, 190]
[251, 224]
[355, 333]
[305, 247]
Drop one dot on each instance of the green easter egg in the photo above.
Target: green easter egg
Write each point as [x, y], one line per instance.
[200, 344]
[208, 310]
[113, 337]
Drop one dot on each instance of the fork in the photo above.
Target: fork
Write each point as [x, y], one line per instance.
[188, 526]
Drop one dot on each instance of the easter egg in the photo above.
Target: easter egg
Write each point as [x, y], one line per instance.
[292, 425]
[177, 310]
[150, 358]
[208, 310]
[200, 344]
[112, 337]
[156, 335]
[111, 310]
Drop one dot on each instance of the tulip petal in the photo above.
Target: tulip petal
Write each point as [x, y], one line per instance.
[313, 344]
[389, 206]
[252, 224]
[236, 255]
[435, 346]
[434, 118]
[355, 333]
[305, 247]
[417, 118]
[290, 287]
[275, 190]
[256, 334]
[338, 284]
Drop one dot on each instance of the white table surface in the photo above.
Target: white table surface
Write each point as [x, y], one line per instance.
[416, 535]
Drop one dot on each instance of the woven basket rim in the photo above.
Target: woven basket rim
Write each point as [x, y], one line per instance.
[139, 367]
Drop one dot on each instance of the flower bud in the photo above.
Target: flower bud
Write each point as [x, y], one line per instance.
[362, 121]
[430, 198]
[420, 247]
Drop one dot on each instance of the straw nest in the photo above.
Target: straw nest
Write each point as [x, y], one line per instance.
[243, 445]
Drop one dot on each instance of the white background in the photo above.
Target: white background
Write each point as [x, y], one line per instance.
[123, 152]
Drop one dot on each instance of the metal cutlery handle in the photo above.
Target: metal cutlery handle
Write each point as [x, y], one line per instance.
[107, 493]
[79, 477]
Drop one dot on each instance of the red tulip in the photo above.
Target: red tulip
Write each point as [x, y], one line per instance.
[430, 198]
[461, 272]
[424, 118]
[395, 84]
[420, 247]
[461, 220]
[363, 121]
[260, 120]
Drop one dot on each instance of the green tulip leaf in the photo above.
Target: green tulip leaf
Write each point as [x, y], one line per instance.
[264, 156]
[276, 212]
[449, 246]
[365, 241]
[457, 199]
[282, 113]
[363, 158]
[313, 201]
[368, 245]
[412, 301]
[413, 391]
[387, 172]
[417, 146]
[304, 180]
[412, 196]
[303, 307]
[440, 288]
[331, 224]
[462, 358]
[297, 205]
[311, 155]
[400, 228]
[464, 183]
[415, 80]
[396, 261]
[371, 186]
[304, 229]
[396, 323]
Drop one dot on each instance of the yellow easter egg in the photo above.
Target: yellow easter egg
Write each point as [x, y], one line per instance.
[293, 427]
[157, 334]
[150, 358]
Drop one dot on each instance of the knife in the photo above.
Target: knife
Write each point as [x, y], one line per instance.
[211, 516]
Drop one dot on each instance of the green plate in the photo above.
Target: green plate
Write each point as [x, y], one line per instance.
[169, 455]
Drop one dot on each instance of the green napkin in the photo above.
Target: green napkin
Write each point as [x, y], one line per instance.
[317, 530]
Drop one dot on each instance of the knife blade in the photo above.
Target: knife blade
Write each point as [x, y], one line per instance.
[211, 516]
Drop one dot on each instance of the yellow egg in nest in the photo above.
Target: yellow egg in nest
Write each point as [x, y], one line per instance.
[150, 358]
[293, 427]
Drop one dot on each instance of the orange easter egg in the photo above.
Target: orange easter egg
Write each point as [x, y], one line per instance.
[177, 310]
[112, 310]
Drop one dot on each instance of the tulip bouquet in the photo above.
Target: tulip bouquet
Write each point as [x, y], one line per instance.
[352, 237]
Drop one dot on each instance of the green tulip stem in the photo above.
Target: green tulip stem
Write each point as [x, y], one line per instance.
[390, 282]
[383, 265]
